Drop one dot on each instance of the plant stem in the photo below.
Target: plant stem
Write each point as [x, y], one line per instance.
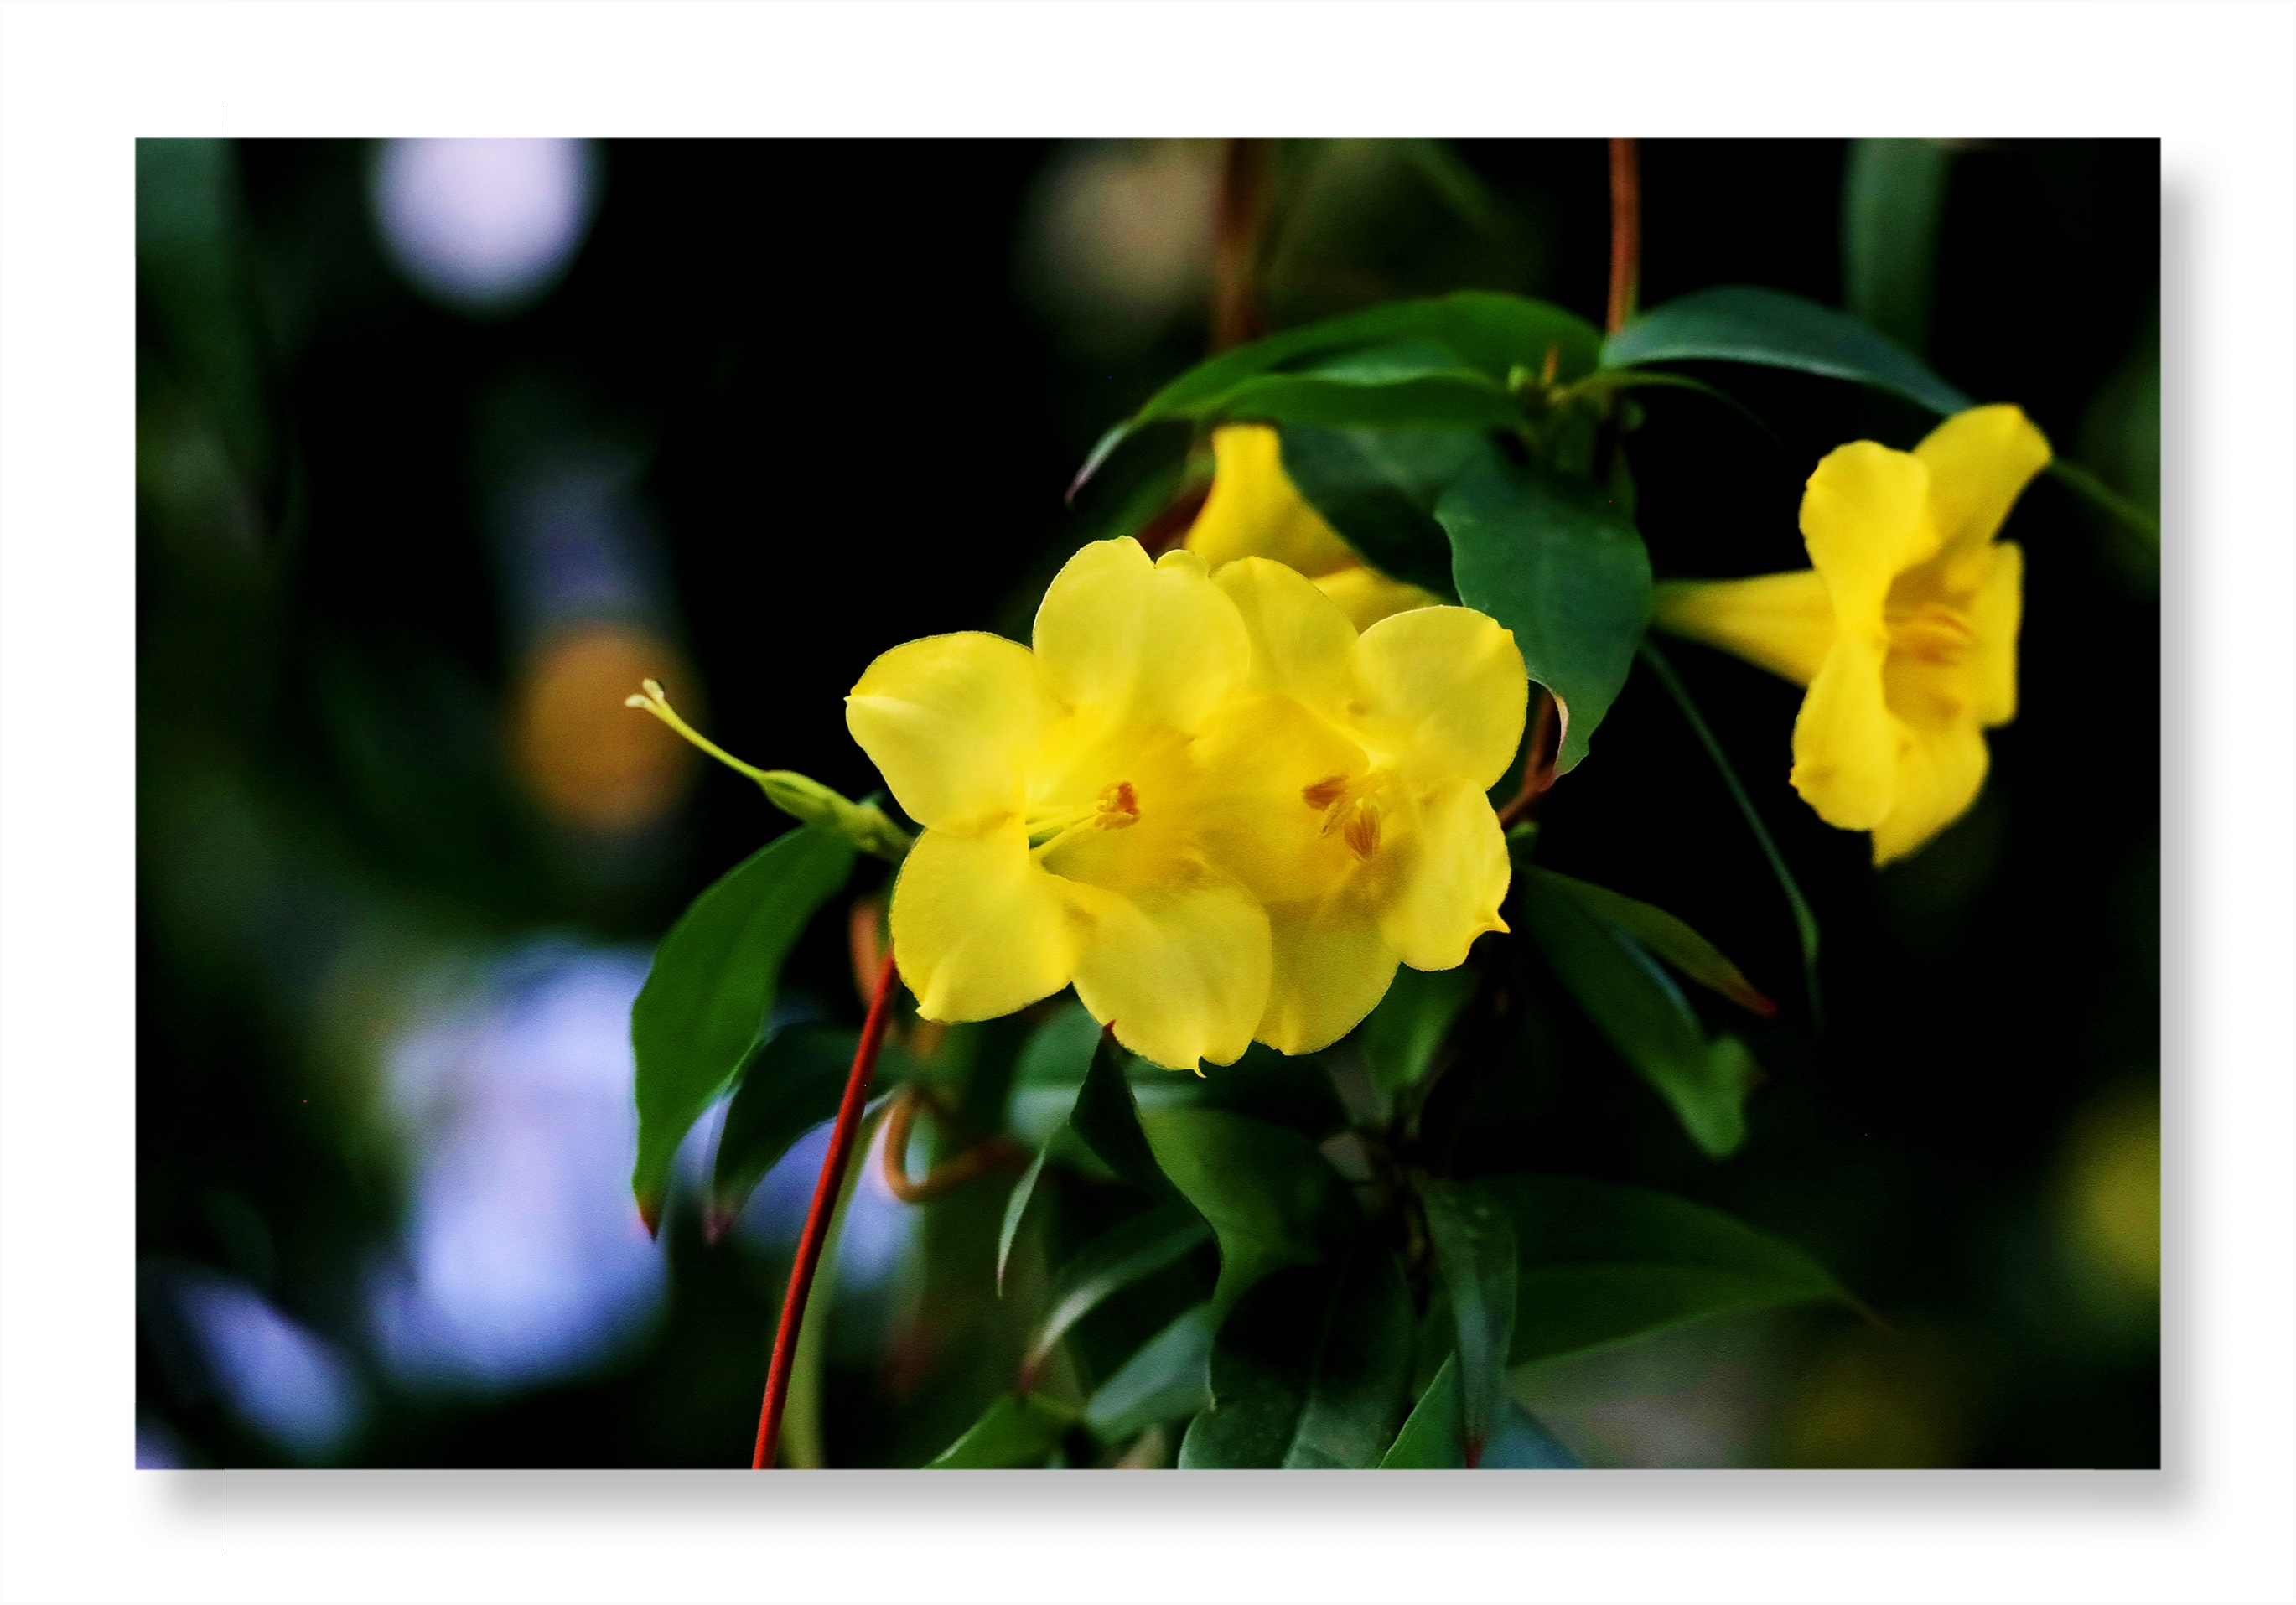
[1626, 231]
[817, 1219]
[1244, 198]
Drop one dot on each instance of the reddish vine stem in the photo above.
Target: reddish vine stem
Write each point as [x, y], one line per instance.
[1626, 231]
[1244, 205]
[817, 1219]
[1537, 759]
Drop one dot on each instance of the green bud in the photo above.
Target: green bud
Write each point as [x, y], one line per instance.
[865, 825]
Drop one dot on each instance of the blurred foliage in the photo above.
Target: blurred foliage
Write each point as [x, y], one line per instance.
[383, 545]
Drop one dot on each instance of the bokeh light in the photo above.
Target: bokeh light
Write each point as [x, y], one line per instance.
[594, 763]
[484, 224]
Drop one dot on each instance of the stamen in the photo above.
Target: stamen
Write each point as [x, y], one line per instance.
[1324, 792]
[1362, 830]
[1117, 808]
[656, 701]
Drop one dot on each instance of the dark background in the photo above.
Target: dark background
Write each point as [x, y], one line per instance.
[840, 389]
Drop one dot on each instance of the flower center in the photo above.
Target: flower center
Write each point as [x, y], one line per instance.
[1932, 633]
[1116, 808]
[1348, 809]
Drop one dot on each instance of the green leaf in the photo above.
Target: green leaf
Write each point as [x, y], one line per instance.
[1051, 1068]
[1442, 400]
[1475, 1250]
[1265, 1189]
[1744, 323]
[1805, 918]
[1015, 1430]
[1641, 1012]
[1108, 1119]
[1403, 1035]
[1169, 1378]
[1016, 1209]
[1893, 196]
[1556, 561]
[1671, 939]
[711, 985]
[1601, 1264]
[1311, 1369]
[1431, 1439]
[789, 1081]
[1111, 1262]
[1377, 488]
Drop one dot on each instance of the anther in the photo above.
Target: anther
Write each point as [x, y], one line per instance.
[1361, 832]
[1324, 792]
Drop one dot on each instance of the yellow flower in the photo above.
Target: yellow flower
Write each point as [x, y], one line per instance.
[1254, 512]
[1347, 792]
[1058, 791]
[1904, 629]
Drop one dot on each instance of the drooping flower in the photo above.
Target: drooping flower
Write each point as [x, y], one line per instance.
[1059, 790]
[1254, 510]
[1904, 629]
[1347, 791]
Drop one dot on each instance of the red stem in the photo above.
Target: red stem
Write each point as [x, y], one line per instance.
[1626, 231]
[817, 1219]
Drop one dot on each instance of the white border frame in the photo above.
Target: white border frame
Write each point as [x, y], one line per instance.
[77, 82]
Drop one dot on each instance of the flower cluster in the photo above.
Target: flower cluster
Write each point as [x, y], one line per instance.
[1201, 798]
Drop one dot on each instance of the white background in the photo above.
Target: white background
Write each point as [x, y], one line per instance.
[78, 82]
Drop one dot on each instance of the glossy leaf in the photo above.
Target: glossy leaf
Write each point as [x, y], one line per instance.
[1016, 1209]
[1641, 1012]
[1123, 1255]
[1169, 1378]
[1557, 563]
[1671, 939]
[1744, 323]
[1312, 1369]
[1020, 1429]
[790, 1082]
[1600, 1264]
[1266, 1190]
[1805, 918]
[1440, 400]
[1378, 488]
[1402, 1036]
[711, 985]
[1475, 1251]
[1108, 1119]
[1432, 1438]
[1893, 197]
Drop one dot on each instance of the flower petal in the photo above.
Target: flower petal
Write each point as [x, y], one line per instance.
[1449, 875]
[1980, 463]
[1865, 517]
[1180, 973]
[979, 930]
[1781, 622]
[1939, 773]
[1443, 692]
[1302, 644]
[1133, 644]
[1846, 740]
[1366, 596]
[1332, 964]
[1254, 510]
[1252, 815]
[1993, 618]
[951, 722]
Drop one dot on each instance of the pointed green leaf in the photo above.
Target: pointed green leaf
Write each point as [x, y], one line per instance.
[1377, 487]
[1600, 1264]
[1167, 1379]
[1015, 1430]
[1431, 1439]
[1312, 1369]
[1016, 1209]
[711, 985]
[1108, 1119]
[1641, 1012]
[1475, 1250]
[1269, 1194]
[1743, 323]
[1893, 196]
[1561, 565]
[1111, 1262]
[1671, 939]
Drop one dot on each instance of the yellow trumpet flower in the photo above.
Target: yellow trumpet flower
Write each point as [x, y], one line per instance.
[1347, 792]
[1254, 510]
[1904, 629]
[1058, 791]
